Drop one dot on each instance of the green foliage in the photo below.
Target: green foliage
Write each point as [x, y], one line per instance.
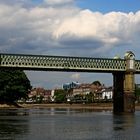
[90, 98]
[137, 92]
[97, 83]
[60, 96]
[14, 85]
[39, 99]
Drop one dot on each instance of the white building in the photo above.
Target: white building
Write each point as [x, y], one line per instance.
[107, 93]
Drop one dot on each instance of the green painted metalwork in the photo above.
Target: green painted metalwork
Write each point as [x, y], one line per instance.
[63, 63]
[137, 66]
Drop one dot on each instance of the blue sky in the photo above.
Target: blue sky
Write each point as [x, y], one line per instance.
[105, 6]
[90, 28]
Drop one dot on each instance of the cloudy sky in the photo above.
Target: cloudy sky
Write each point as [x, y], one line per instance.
[94, 28]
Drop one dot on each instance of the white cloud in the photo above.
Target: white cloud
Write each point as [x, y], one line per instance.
[75, 76]
[111, 28]
[62, 30]
[58, 2]
[25, 28]
[58, 27]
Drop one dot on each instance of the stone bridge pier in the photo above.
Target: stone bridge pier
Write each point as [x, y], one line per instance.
[124, 87]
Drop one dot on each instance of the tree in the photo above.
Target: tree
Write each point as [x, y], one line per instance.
[60, 96]
[97, 83]
[14, 85]
[137, 92]
[90, 97]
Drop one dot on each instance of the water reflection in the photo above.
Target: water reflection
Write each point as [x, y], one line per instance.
[123, 121]
[60, 111]
[67, 124]
[13, 123]
[125, 127]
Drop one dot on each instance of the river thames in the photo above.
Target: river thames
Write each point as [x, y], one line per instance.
[67, 124]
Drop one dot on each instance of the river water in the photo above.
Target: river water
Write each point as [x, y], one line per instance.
[67, 124]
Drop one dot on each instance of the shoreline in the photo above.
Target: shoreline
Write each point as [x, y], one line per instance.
[72, 106]
[93, 106]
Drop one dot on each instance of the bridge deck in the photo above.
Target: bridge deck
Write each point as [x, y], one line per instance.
[63, 63]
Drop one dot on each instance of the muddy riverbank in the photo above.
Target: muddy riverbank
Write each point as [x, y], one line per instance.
[96, 106]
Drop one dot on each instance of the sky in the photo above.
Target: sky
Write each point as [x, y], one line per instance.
[88, 28]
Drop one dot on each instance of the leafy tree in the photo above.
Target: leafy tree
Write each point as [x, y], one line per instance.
[60, 96]
[97, 83]
[90, 97]
[14, 85]
[39, 98]
[137, 92]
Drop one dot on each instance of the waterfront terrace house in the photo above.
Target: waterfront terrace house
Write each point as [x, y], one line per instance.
[38, 92]
[100, 92]
[96, 90]
[82, 89]
[107, 93]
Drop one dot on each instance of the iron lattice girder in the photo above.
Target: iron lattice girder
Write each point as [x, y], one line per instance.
[63, 63]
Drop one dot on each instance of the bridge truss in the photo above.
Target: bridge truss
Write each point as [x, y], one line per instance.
[63, 63]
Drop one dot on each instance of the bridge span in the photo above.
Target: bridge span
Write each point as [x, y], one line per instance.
[123, 71]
